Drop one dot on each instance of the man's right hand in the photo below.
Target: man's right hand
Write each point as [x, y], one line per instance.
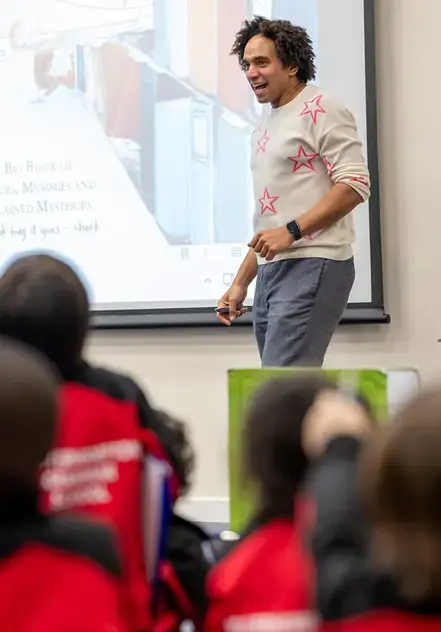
[232, 298]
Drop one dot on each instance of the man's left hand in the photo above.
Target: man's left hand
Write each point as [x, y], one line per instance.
[268, 243]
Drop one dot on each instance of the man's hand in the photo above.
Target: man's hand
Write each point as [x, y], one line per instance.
[332, 415]
[232, 298]
[268, 243]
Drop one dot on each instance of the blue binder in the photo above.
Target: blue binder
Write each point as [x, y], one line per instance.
[157, 508]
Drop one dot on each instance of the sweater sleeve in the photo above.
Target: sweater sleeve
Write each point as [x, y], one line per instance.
[341, 150]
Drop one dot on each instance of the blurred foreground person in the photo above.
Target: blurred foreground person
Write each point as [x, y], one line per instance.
[99, 464]
[389, 579]
[266, 581]
[56, 573]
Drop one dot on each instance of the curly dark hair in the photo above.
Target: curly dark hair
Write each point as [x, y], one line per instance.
[293, 44]
[175, 440]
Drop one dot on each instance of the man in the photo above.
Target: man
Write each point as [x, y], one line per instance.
[309, 174]
[56, 572]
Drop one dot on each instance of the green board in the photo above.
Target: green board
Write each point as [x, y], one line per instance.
[370, 384]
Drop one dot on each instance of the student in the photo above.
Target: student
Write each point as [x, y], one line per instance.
[56, 573]
[266, 581]
[388, 580]
[107, 426]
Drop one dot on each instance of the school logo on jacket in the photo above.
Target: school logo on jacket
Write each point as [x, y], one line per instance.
[82, 476]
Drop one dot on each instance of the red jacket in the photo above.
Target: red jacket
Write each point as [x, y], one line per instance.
[96, 467]
[264, 584]
[58, 575]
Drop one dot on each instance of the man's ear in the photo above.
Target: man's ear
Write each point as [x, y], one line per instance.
[293, 71]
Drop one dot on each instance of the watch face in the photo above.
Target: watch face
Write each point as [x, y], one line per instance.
[294, 229]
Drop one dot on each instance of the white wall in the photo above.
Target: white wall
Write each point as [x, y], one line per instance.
[171, 364]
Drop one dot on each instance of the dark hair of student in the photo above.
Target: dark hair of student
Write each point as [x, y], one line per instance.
[175, 440]
[293, 44]
[273, 457]
[44, 303]
[28, 415]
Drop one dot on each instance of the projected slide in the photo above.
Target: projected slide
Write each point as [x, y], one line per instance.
[125, 139]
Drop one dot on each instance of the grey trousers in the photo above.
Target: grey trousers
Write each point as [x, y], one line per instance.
[297, 306]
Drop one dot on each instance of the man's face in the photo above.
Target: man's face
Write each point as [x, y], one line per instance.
[268, 78]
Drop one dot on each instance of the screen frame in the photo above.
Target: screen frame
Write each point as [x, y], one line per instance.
[372, 312]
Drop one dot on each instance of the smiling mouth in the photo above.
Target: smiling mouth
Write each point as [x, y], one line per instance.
[259, 87]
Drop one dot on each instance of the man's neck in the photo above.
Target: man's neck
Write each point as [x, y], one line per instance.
[290, 95]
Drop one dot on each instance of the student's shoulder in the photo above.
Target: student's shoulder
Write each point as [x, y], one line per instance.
[242, 559]
[120, 388]
[117, 385]
[90, 541]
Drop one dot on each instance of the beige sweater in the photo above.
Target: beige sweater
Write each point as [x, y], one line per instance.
[299, 151]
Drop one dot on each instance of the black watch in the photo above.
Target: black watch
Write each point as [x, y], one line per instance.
[294, 228]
